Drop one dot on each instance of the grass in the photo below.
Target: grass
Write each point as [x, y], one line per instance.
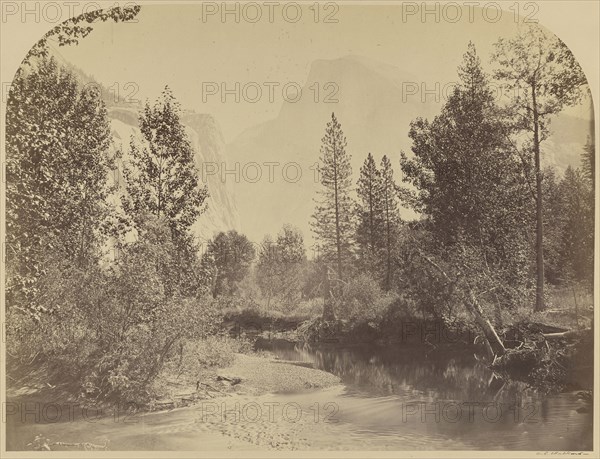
[570, 308]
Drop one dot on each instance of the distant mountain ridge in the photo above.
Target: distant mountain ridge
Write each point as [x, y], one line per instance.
[375, 107]
[371, 101]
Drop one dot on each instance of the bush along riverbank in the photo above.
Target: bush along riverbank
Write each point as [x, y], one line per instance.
[236, 378]
[210, 368]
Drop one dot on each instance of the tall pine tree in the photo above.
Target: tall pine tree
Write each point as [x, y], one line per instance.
[368, 210]
[577, 254]
[543, 76]
[378, 220]
[390, 219]
[333, 214]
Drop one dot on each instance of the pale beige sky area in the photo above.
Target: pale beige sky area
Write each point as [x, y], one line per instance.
[189, 48]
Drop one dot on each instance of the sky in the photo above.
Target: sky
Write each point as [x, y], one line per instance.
[196, 52]
[184, 46]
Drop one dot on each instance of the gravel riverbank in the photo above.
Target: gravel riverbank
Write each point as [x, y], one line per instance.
[259, 375]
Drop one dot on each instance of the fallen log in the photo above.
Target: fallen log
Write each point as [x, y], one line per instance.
[214, 389]
[486, 326]
[567, 334]
[164, 405]
[472, 305]
[233, 380]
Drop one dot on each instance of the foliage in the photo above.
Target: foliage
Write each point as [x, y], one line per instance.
[544, 77]
[313, 285]
[537, 68]
[363, 300]
[197, 357]
[423, 290]
[227, 258]
[162, 178]
[57, 140]
[470, 184]
[569, 227]
[281, 267]
[72, 30]
[588, 158]
[577, 252]
[162, 181]
[554, 223]
[116, 327]
[368, 212]
[378, 220]
[390, 221]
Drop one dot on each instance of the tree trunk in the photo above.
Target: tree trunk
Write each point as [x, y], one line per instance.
[492, 337]
[539, 297]
[472, 305]
[338, 242]
[567, 335]
[328, 299]
[388, 277]
[214, 282]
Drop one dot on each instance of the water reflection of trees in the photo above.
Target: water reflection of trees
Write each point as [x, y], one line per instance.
[436, 378]
[377, 371]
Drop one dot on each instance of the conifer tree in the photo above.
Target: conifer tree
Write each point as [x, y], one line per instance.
[390, 219]
[588, 159]
[470, 182]
[333, 215]
[543, 76]
[369, 213]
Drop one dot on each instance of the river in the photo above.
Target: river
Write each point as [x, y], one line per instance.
[389, 399]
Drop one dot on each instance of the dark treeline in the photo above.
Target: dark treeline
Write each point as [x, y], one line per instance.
[109, 326]
[473, 179]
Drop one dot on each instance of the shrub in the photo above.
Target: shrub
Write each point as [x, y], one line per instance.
[111, 330]
[363, 300]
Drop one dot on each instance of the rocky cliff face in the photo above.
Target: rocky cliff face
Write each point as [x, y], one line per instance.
[205, 135]
[222, 213]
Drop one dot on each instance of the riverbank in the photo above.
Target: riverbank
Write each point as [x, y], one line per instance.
[377, 406]
[269, 391]
[248, 378]
[249, 374]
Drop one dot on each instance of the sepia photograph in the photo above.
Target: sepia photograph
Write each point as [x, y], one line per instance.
[299, 229]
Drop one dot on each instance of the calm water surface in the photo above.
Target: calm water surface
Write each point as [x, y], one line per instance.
[389, 399]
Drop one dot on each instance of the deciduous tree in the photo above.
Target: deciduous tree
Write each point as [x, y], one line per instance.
[57, 141]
